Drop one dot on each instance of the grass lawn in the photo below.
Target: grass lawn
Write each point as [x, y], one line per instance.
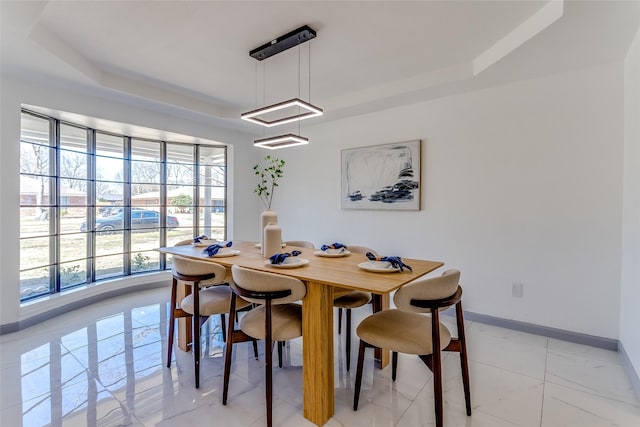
[109, 250]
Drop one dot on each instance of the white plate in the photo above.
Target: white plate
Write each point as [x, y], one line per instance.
[225, 252]
[259, 246]
[289, 262]
[331, 253]
[204, 243]
[378, 267]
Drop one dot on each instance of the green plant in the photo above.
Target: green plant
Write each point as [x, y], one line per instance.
[140, 262]
[269, 175]
[182, 202]
[71, 275]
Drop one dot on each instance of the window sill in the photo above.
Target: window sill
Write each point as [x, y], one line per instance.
[38, 310]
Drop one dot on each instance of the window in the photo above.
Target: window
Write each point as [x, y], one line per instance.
[94, 205]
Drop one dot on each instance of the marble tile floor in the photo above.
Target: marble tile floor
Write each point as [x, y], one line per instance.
[103, 365]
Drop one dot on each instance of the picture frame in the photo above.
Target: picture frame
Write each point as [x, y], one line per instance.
[381, 177]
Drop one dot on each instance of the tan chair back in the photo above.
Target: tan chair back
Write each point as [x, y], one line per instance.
[354, 249]
[193, 267]
[300, 244]
[433, 288]
[260, 281]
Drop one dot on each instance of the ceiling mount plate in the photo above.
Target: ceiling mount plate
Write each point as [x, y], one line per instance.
[289, 40]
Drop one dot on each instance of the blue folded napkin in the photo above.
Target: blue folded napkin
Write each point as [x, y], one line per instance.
[211, 250]
[333, 246]
[396, 261]
[197, 239]
[279, 258]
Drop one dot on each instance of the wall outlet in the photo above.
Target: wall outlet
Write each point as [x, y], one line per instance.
[517, 290]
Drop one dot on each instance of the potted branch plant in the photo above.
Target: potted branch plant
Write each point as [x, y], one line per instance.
[268, 176]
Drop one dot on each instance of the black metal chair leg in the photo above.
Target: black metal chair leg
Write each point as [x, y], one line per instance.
[223, 327]
[437, 367]
[464, 364]
[228, 351]
[280, 354]
[196, 331]
[394, 365]
[268, 365]
[356, 394]
[339, 320]
[348, 334]
[172, 320]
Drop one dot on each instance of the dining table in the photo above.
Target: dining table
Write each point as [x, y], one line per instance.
[326, 277]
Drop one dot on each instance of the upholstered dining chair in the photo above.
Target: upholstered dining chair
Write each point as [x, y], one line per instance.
[300, 243]
[351, 299]
[277, 318]
[200, 303]
[408, 330]
[184, 242]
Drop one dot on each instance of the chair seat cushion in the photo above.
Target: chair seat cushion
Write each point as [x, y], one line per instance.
[352, 300]
[401, 331]
[213, 300]
[286, 322]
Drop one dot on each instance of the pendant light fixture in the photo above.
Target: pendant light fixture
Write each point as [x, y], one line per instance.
[301, 109]
[281, 141]
[254, 116]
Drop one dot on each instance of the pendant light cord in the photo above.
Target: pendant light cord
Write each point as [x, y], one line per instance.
[299, 86]
[264, 88]
[309, 72]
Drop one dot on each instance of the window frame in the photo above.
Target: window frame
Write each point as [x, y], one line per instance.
[57, 203]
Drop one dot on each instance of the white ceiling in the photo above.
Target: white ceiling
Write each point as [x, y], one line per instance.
[192, 57]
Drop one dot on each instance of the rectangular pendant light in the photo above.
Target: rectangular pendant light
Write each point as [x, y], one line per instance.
[309, 111]
[281, 141]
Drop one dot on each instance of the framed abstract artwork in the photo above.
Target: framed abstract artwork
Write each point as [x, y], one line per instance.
[385, 177]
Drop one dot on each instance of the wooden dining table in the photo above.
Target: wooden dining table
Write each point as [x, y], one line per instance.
[325, 278]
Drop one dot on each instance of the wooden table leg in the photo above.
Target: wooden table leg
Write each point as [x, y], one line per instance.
[184, 324]
[381, 355]
[317, 353]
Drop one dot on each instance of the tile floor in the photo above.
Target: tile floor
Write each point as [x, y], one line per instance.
[103, 365]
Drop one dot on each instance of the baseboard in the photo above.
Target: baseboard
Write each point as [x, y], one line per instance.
[49, 314]
[560, 334]
[629, 369]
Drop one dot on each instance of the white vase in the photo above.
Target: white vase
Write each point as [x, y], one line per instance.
[266, 217]
[272, 238]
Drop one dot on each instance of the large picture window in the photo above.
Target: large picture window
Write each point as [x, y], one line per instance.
[94, 205]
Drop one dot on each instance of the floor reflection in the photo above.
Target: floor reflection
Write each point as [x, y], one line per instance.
[103, 365]
[92, 373]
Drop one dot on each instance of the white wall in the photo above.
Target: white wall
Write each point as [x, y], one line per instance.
[630, 285]
[14, 93]
[520, 183]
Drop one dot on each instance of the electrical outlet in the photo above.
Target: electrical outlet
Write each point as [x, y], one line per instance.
[517, 290]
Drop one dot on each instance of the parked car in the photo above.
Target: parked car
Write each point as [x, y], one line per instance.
[107, 212]
[140, 219]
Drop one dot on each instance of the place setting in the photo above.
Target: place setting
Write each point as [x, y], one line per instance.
[286, 260]
[385, 264]
[220, 250]
[203, 241]
[334, 250]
